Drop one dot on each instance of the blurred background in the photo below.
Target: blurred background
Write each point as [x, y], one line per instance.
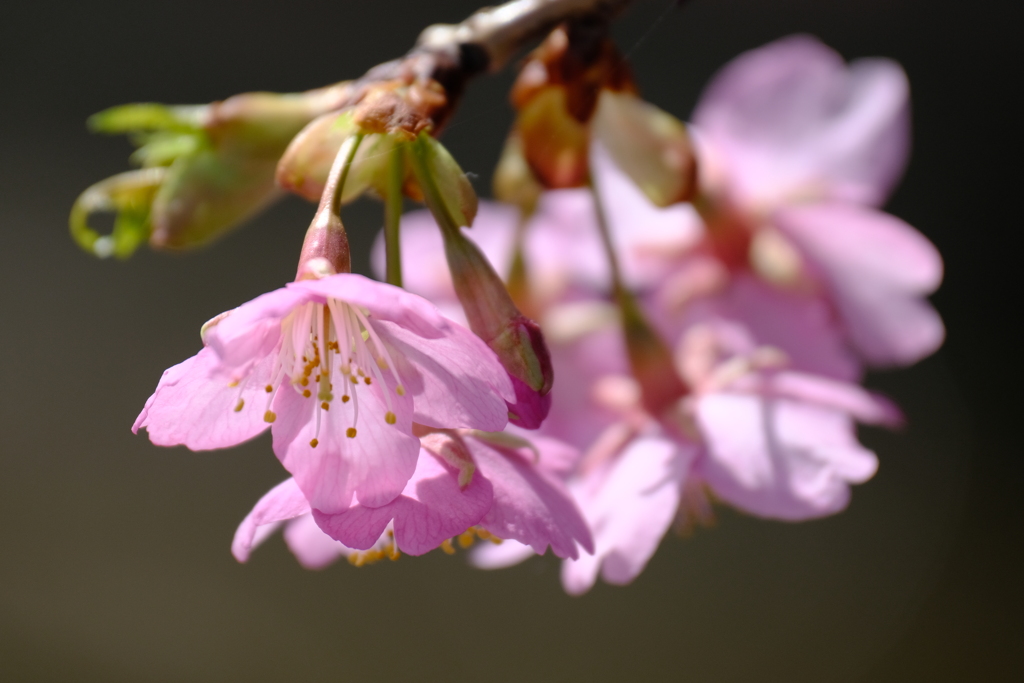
[114, 554]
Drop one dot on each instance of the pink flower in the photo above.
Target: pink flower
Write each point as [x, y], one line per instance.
[340, 367]
[802, 147]
[768, 441]
[497, 488]
[796, 149]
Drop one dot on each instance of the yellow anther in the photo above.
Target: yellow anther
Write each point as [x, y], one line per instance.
[306, 393]
[446, 546]
[240, 405]
[269, 416]
[485, 535]
[353, 379]
[367, 381]
[345, 398]
[350, 432]
[400, 390]
[390, 418]
[314, 443]
[325, 405]
[466, 538]
[393, 552]
[304, 381]
[382, 364]
[233, 383]
[268, 388]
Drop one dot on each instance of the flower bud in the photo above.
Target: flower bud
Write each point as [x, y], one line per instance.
[651, 146]
[493, 317]
[304, 166]
[217, 163]
[206, 194]
[489, 309]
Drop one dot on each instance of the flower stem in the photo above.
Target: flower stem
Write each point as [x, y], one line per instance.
[393, 216]
[618, 288]
[339, 189]
[325, 248]
[650, 358]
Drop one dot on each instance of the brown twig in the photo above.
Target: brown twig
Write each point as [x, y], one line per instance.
[446, 56]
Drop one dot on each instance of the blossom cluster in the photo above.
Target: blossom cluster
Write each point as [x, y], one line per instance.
[655, 319]
[770, 293]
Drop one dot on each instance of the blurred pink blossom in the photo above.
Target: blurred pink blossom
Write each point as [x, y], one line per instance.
[797, 150]
[773, 288]
[768, 441]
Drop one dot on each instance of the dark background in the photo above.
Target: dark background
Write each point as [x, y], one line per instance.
[114, 560]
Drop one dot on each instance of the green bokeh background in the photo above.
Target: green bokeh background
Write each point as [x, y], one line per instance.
[114, 554]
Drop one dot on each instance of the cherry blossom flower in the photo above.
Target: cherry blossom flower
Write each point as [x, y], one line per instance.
[472, 483]
[339, 367]
[796, 150]
[768, 441]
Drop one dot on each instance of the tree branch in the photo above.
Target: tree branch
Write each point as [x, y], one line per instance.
[500, 32]
[450, 54]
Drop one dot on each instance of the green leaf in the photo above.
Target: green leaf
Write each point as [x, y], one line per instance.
[127, 118]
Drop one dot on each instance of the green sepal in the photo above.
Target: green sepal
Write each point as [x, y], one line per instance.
[128, 194]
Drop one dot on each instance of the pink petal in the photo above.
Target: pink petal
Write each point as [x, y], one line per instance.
[529, 506]
[195, 407]
[284, 501]
[383, 301]
[859, 403]
[878, 270]
[629, 510]
[454, 379]
[575, 416]
[431, 509]
[555, 457]
[248, 333]
[311, 546]
[791, 117]
[564, 223]
[799, 323]
[778, 458]
[374, 466]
